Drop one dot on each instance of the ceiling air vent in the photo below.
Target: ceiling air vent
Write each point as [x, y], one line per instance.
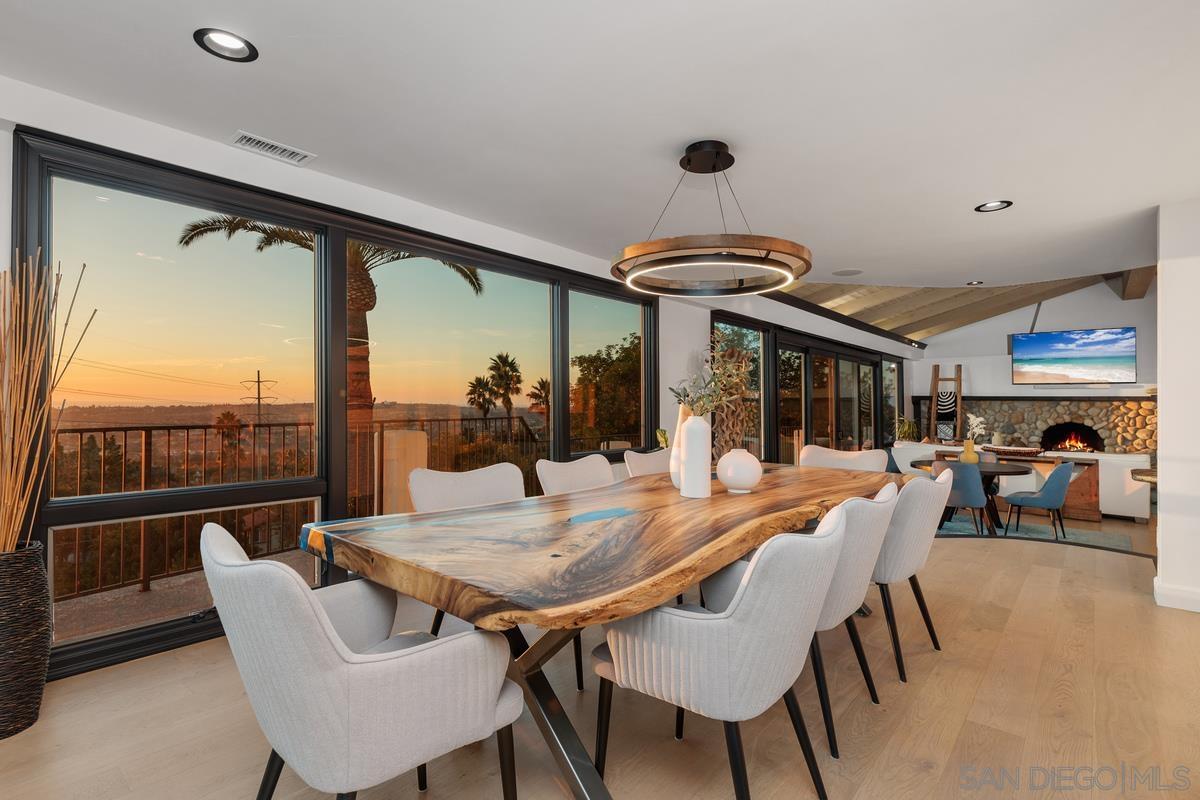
[266, 147]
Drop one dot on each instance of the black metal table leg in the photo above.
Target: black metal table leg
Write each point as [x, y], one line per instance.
[561, 737]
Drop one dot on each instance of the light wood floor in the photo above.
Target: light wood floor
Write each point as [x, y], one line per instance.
[1052, 656]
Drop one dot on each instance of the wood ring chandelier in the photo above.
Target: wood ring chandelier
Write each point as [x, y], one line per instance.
[711, 265]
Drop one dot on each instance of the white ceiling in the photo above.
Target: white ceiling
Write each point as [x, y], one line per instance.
[864, 129]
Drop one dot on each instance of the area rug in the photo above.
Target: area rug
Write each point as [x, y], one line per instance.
[961, 524]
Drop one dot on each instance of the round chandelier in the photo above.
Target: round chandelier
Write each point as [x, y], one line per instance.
[711, 265]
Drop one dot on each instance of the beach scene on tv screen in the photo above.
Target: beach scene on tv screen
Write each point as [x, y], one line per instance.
[1101, 355]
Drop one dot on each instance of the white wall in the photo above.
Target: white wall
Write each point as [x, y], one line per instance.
[683, 327]
[982, 348]
[1178, 581]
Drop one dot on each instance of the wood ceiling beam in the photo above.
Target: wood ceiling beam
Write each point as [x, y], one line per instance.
[829, 292]
[930, 302]
[881, 294]
[1136, 282]
[1001, 303]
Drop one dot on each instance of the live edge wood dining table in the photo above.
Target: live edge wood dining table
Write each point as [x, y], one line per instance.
[568, 561]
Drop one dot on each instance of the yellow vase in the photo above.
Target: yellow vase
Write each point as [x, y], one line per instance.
[968, 455]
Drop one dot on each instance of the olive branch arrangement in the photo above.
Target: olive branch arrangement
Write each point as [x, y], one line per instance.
[722, 381]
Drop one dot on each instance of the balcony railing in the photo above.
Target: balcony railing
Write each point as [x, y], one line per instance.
[106, 460]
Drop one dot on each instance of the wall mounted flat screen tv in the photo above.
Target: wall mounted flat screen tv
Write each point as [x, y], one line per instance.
[1090, 355]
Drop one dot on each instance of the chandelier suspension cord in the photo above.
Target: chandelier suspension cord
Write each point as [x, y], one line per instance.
[739, 207]
[724, 227]
[650, 236]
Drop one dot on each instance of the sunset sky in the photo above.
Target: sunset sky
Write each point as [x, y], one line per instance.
[185, 325]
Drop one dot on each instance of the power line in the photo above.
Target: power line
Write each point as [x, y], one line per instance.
[256, 385]
[145, 373]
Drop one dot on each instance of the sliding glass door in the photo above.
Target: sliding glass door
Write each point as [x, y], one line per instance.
[792, 396]
[856, 423]
[824, 399]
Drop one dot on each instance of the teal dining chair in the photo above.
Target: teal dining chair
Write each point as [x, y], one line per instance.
[1051, 497]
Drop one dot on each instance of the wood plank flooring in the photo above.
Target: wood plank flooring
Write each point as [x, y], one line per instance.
[1053, 656]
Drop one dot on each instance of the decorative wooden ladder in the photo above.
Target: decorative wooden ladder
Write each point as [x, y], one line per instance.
[935, 386]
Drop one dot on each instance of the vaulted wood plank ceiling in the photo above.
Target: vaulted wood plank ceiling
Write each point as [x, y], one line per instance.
[919, 312]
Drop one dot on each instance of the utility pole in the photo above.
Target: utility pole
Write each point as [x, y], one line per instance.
[258, 398]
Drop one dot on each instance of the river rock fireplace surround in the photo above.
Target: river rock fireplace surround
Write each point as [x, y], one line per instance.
[1105, 424]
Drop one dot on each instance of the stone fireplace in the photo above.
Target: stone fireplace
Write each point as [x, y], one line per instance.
[1122, 424]
[1076, 437]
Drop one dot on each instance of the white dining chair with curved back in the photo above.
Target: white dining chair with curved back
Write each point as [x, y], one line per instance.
[905, 550]
[560, 477]
[339, 698]
[652, 463]
[812, 455]
[866, 525]
[698, 659]
[434, 490]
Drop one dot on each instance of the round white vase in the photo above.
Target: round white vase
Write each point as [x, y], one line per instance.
[695, 455]
[739, 470]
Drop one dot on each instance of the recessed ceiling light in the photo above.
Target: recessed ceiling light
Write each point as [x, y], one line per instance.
[974, 283]
[993, 205]
[846, 273]
[224, 44]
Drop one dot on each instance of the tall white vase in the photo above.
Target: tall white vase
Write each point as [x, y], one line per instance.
[685, 412]
[695, 471]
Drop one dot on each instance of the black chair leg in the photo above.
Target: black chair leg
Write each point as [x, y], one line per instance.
[603, 712]
[678, 599]
[1018, 529]
[1062, 524]
[975, 522]
[436, 627]
[814, 652]
[678, 724]
[508, 763]
[266, 789]
[1008, 519]
[422, 778]
[889, 613]
[810, 758]
[852, 629]
[578, 647]
[917, 593]
[737, 761]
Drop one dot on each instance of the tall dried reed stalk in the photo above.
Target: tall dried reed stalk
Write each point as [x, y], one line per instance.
[31, 366]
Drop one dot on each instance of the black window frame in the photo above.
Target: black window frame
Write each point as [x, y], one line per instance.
[39, 156]
[776, 337]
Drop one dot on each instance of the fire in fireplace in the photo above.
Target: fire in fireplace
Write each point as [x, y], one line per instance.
[1072, 436]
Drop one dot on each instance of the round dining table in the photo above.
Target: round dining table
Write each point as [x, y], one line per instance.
[989, 472]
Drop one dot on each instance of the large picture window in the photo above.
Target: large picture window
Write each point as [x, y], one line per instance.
[606, 360]
[448, 368]
[260, 362]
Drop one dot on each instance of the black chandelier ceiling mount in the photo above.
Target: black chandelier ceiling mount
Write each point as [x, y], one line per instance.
[711, 265]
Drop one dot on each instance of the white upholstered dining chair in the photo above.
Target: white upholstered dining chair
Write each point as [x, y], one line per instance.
[734, 659]
[866, 525]
[653, 463]
[560, 477]
[812, 455]
[343, 701]
[433, 490]
[905, 550]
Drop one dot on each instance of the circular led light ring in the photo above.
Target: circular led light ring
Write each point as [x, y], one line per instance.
[786, 258]
[724, 287]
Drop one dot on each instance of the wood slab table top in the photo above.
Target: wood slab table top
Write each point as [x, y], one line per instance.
[580, 558]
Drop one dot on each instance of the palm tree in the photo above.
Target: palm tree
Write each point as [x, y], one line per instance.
[539, 398]
[361, 258]
[505, 374]
[481, 394]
